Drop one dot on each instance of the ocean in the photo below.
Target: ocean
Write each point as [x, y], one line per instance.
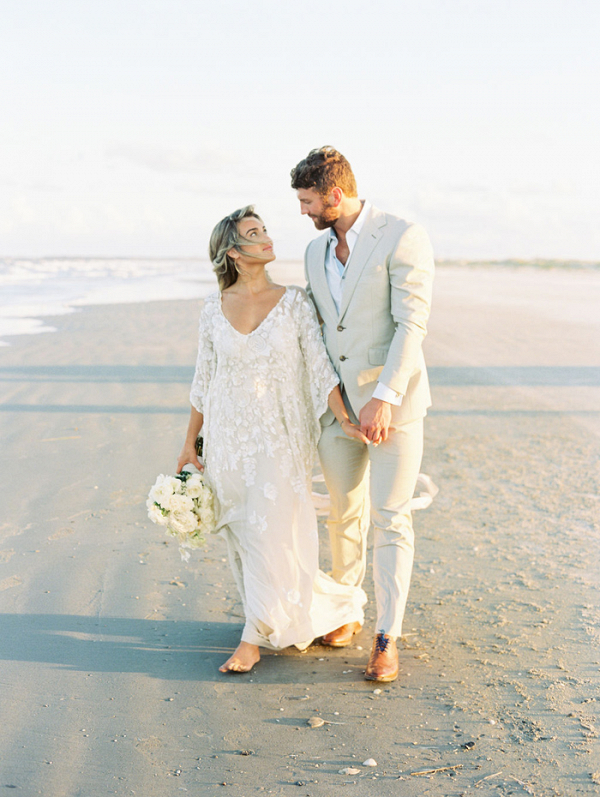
[33, 290]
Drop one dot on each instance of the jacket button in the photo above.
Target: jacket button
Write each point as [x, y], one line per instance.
[343, 357]
[341, 328]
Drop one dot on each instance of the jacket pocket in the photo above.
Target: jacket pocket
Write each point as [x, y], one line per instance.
[378, 355]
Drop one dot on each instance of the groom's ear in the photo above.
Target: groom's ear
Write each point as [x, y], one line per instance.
[336, 196]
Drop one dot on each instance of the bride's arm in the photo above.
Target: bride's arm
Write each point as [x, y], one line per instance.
[336, 405]
[188, 452]
[204, 368]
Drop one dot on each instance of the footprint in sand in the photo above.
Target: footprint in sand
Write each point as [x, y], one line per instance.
[122, 498]
[149, 746]
[7, 583]
[9, 530]
[61, 533]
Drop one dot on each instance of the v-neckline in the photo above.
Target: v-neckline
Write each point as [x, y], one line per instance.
[256, 328]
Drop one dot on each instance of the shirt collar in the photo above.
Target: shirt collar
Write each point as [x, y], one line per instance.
[357, 226]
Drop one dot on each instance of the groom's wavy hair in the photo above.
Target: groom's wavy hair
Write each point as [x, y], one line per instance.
[323, 169]
[225, 237]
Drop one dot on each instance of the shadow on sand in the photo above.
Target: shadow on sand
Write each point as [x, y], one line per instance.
[456, 376]
[164, 649]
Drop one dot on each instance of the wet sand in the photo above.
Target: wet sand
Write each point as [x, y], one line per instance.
[111, 645]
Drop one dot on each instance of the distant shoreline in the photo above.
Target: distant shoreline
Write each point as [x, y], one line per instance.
[541, 263]
[511, 262]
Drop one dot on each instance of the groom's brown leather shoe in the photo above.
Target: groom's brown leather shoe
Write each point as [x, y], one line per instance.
[383, 663]
[342, 636]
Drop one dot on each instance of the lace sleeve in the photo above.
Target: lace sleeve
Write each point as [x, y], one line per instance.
[204, 362]
[321, 374]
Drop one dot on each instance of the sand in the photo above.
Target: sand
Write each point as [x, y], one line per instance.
[111, 645]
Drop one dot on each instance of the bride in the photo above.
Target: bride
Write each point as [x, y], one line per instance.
[262, 381]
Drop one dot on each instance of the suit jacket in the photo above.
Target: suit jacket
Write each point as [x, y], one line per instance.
[386, 298]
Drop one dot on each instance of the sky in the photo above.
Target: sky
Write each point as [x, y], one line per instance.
[130, 127]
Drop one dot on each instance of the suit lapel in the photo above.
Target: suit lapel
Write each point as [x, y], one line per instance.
[368, 238]
[318, 278]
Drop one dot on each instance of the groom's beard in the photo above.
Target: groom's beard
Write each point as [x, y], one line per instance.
[326, 219]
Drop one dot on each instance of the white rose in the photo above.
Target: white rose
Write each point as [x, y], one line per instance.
[205, 510]
[209, 522]
[180, 503]
[194, 486]
[164, 488]
[175, 483]
[205, 502]
[183, 522]
[155, 514]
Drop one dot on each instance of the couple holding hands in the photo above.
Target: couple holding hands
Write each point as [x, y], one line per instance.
[275, 381]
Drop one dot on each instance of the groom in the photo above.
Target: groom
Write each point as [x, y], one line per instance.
[369, 276]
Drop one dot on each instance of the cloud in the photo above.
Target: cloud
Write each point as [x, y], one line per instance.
[555, 188]
[170, 160]
[45, 187]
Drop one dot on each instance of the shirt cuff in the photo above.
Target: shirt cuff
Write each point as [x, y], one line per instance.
[385, 393]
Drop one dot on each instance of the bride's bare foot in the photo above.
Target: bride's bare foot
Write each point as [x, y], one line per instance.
[243, 660]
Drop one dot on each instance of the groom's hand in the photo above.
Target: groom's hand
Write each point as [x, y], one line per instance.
[375, 418]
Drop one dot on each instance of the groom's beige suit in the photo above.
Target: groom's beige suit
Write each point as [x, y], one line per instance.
[376, 336]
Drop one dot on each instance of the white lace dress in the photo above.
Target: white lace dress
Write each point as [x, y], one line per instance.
[262, 395]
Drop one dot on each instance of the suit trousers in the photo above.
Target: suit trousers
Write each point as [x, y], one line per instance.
[373, 485]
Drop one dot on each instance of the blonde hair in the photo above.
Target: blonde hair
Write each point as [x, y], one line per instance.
[225, 237]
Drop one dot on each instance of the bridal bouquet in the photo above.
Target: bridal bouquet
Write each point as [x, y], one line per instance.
[184, 505]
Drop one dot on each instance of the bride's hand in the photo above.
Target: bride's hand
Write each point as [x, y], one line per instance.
[188, 456]
[350, 430]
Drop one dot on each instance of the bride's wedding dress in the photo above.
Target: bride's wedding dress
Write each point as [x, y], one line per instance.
[262, 395]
